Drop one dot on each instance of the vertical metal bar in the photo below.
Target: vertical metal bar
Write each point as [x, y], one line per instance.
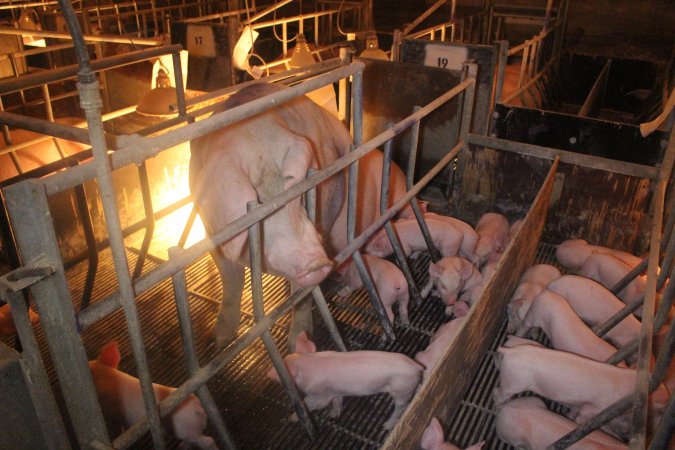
[664, 433]
[401, 257]
[639, 420]
[90, 240]
[523, 66]
[188, 227]
[90, 101]
[180, 91]
[412, 158]
[255, 250]
[319, 299]
[149, 219]
[33, 228]
[37, 381]
[284, 39]
[183, 309]
[396, 46]
[502, 56]
[470, 69]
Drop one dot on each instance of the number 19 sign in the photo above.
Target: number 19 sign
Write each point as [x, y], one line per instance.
[445, 56]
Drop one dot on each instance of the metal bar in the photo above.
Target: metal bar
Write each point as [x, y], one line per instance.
[401, 257]
[255, 250]
[149, 219]
[183, 309]
[319, 299]
[424, 15]
[265, 12]
[668, 231]
[37, 381]
[664, 433]
[90, 239]
[625, 311]
[594, 162]
[89, 38]
[33, 228]
[180, 91]
[470, 71]
[54, 129]
[387, 326]
[90, 101]
[62, 73]
[502, 57]
[138, 149]
[145, 282]
[639, 419]
[188, 227]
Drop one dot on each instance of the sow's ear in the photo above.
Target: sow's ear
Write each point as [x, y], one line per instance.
[303, 345]
[110, 355]
[297, 161]
[433, 435]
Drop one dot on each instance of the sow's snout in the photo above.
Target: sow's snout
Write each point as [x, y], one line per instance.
[309, 270]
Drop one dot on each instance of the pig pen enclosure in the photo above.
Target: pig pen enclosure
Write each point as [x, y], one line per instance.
[163, 315]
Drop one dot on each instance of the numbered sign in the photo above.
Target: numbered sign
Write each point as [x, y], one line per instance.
[445, 56]
[200, 41]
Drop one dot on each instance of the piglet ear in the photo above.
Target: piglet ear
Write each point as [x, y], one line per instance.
[303, 344]
[110, 355]
[435, 270]
[466, 272]
[432, 436]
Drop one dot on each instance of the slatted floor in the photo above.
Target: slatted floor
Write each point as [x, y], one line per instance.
[255, 409]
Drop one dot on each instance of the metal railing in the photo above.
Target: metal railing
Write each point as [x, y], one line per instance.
[27, 201]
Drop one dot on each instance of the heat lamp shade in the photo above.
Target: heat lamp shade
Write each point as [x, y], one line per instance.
[302, 56]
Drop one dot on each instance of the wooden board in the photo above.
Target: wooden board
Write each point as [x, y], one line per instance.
[441, 394]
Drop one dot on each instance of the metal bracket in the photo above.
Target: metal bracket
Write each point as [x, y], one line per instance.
[26, 276]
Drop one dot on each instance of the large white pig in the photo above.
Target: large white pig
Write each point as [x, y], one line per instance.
[526, 423]
[532, 282]
[549, 373]
[257, 159]
[122, 401]
[389, 281]
[326, 377]
[438, 344]
[432, 438]
[493, 236]
[556, 318]
[452, 275]
[445, 236]
[573, 253]
[595, 304]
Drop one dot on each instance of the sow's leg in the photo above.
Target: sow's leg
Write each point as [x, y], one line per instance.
[301, 319]
[232, 278]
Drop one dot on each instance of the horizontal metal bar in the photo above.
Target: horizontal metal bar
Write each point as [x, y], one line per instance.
[37, 51]
[43, 126]
[139, 148]
[63, 73]
[593, 162]
[542, 35]
[281, 21]
[189, 255]
[89, 37]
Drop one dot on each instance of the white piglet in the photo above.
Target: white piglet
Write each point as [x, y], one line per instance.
[122, 402]
[493, 236]
[326, 377]
[452, 275]
[433, 439]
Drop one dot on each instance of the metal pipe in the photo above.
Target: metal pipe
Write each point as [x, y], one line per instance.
[62, 73]
[401, 257]
[183, 310]
[470, 71]
[319, 299]
[188, 227]
[89, 38]
[145, 282]
[265, 12]
[90, 239]
[255, 251]
[35, 374]
[138, 149]
[602, 329]
[53, 129]
[594, 162]
[375, 300]
[90, 101]
[149, 219]
[669, 230]
[408, 28]
[664, 433]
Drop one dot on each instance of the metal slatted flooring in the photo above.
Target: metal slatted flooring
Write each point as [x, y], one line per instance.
[255, 409]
